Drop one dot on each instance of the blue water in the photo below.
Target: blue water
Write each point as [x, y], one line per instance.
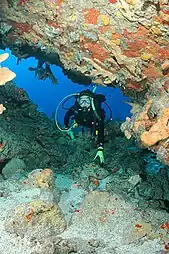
[47, 95]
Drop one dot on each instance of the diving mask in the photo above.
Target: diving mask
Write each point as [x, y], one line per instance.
[84, 101]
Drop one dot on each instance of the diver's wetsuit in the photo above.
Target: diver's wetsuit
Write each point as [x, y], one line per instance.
[88, 118]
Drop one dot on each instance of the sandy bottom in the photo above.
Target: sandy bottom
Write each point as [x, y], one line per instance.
[96, 220]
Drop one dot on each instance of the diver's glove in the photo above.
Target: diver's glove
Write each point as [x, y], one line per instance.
[71, 134]
[100, 154]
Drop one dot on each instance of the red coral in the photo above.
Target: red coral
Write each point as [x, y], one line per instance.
[104, 29]
[91, 16]
[131, 53]
[138, 225]
[152, 71]
[134, 85]
[163, 53]
[137, 45]
[141, 34]
[138, 42]
[113, 1]
[97, 51]
[53, 23]
[22, 2]
[22, 27]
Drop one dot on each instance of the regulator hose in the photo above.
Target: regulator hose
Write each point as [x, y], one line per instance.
[56, 112]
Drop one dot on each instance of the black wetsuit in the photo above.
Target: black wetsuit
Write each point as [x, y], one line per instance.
[88, 118]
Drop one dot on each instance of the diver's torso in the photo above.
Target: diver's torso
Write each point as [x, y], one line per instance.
[85, 117]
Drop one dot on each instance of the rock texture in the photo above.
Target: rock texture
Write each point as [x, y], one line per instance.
[27, 134]
[102, 222]
[40, 217]
[13, 167]
[108, 224]
[35, 219]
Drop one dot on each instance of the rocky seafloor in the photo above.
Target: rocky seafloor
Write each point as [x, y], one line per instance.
[55, 199]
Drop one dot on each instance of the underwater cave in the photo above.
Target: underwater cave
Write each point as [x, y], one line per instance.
[84, 111]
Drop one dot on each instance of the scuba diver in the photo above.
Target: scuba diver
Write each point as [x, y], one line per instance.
[87, 112]
[43, 72]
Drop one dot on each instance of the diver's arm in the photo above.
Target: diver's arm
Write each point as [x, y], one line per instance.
[68, 115]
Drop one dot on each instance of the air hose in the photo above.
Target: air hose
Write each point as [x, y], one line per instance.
[56, 112]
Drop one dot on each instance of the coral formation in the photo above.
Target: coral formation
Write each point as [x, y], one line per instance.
[35, 219]
[6, 75]
[41, 216]
[149, 123]
[100, 36]
[40, 178]
[159, 131]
